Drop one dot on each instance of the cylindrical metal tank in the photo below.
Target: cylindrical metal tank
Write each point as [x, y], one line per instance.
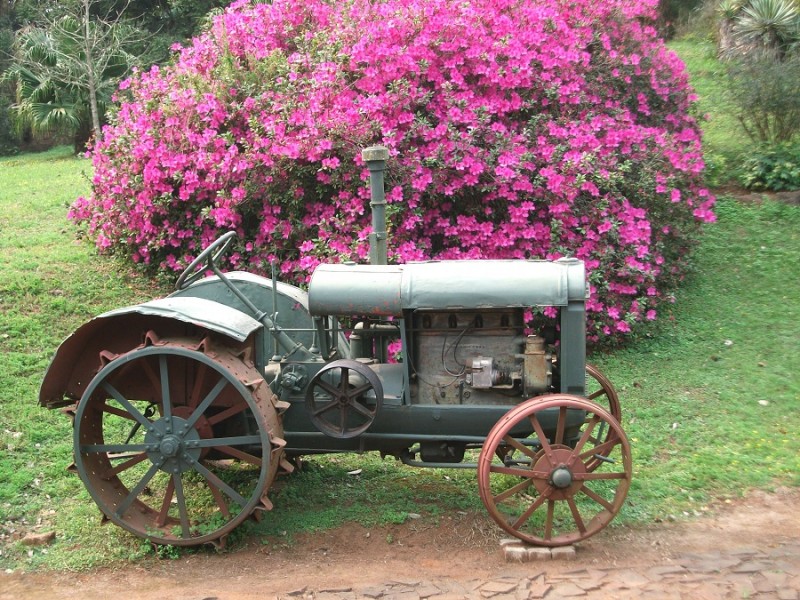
[388, 290]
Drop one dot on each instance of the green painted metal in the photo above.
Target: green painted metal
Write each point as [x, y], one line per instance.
[207, 314]
[350, 289]
[376, 157]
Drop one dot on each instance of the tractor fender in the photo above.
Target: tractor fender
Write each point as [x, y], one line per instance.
[83, 353]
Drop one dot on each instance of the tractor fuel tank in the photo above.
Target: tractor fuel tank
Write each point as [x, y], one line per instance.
[388, 290]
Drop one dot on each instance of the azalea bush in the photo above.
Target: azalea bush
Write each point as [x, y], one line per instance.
[516, 129]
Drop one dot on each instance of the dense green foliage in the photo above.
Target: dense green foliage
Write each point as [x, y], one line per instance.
[46, 77]
[772, 167]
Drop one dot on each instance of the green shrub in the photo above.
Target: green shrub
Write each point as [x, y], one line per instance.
[774, 167]
[765, 94]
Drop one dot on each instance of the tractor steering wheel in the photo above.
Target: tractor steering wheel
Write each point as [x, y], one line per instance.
[213, 252]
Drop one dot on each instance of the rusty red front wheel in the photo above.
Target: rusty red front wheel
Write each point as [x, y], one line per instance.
[178, 442]
[544, 475]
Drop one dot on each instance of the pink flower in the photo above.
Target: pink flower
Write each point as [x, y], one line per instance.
[449, 88]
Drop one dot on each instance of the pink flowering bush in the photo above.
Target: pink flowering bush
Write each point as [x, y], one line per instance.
[517, 129]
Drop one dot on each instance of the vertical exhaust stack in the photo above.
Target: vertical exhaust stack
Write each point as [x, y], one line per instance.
[376, 157]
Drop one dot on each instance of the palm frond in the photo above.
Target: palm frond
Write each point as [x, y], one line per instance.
[771, 23]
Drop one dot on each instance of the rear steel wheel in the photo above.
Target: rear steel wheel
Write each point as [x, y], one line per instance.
[178, 442]
[550, 492]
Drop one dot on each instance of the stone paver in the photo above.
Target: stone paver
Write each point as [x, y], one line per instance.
[718, 575]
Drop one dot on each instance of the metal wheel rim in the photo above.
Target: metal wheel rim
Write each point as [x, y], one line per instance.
[606, 397]
[533, 516]
[119, 502]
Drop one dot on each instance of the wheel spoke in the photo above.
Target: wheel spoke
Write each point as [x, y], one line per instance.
[331, 390]
[595, 476]
[117, 412]
[342, 418]
[521, 486]
[223, 506]
[151, 376]
[163, 514]
[603, 449]
[548, 525]
[520, 446]
[562, 422]
[236, 453]
[584, 438]
[227, 413]
[525, 473]
[126, 503]
[213, 479]
[597, 498]
[199, 378]
[166, 401]
[344, 380]
[239, 440]
[529, 511]
[128, 406]
[181, 499]
[576, 515]
[358, 391]
[323, 409]
[112, 448]
[537, 427]
[362, 410]
[212, 395]
[597, 394]
[135, 460]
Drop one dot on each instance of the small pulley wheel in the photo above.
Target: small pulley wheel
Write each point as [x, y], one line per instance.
[344, 398]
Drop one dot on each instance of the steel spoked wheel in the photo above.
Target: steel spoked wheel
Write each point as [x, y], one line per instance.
[344, 398]
[560, 484]
[600, 391]
[178, 444]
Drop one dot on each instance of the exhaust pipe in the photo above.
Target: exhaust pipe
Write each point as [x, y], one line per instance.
[376, 157]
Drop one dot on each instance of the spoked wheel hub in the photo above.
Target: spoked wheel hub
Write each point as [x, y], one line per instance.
[561, 478]
[178, 441]
[172, 452]
[547, 474]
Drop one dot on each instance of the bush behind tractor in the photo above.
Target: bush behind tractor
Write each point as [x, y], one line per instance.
[186, 408]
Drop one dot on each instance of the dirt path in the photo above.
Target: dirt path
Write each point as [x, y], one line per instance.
[748, 549]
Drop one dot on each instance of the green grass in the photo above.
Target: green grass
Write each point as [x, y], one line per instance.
[49, 285]
[712, 402]
[724, 140]
[710, 398]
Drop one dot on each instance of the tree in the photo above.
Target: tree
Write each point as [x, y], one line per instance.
[67, 68]
[759, 39]
[763, 27]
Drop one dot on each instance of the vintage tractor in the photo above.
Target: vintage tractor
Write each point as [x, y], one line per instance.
[186, 408]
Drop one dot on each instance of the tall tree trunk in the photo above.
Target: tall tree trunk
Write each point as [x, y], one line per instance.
[90, 74]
